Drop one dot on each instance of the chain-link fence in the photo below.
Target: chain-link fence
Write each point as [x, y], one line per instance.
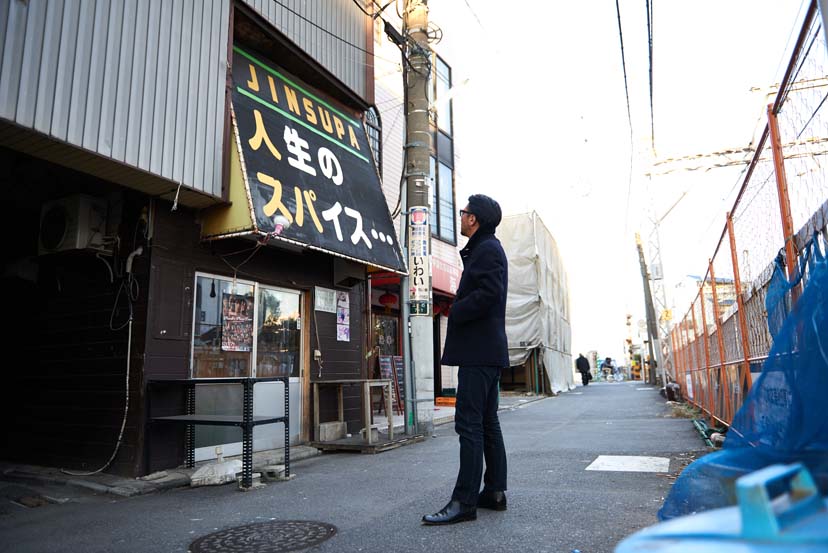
[724, 337]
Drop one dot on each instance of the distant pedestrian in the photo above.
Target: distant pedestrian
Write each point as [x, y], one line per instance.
[476, 341]
[582, 365]
[607, 367]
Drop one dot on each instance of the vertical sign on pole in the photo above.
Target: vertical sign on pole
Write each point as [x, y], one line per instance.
[419, 261]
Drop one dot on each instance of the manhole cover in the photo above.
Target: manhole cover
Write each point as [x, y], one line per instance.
[266, 537]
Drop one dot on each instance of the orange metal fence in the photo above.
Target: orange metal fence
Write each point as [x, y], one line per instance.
[718, 347]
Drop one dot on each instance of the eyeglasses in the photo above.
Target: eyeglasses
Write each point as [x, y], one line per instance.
[464, 212]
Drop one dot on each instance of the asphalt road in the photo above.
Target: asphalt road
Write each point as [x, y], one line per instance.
[376, 501]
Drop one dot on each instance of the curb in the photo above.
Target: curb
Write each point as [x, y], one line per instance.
[130, 487]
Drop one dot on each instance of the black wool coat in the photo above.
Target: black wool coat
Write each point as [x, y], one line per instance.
[477, 320]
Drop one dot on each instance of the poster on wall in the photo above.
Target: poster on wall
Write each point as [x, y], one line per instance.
[237, 322]
[343, 317]
[308, 162]
[324, 299]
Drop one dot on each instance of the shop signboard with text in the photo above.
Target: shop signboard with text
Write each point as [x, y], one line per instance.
[419, 261]
[308, 166]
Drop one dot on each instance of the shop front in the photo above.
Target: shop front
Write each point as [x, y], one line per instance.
[387, 324]
[283, 291]
[186, 229]
[246, 329]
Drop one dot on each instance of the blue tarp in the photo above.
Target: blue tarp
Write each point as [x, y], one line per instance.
[783, 418]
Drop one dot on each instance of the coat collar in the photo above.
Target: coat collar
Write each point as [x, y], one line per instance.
[477, 238]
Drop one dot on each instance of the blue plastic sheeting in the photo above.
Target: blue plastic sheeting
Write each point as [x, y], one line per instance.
[780, 511]
[783, 418]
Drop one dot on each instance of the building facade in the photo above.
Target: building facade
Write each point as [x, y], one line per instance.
[195, 197]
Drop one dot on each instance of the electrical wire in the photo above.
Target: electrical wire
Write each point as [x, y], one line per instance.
[382, 8]
[128, 285]
[629, 117]
[123, 420]
[253, 251]
[358, 5]
[650, 44]
[326, 31]
[318, 343]
[474, 14]
[785, 84]
[802, 59]
[624, 64]
[811, 118]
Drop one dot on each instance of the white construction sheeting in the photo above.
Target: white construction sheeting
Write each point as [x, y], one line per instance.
[537, 308]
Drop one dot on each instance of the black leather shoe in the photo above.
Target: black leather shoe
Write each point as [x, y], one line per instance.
[496, 501]
[452, 513]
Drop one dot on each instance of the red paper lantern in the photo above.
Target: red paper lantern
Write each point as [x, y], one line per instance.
[388, 299]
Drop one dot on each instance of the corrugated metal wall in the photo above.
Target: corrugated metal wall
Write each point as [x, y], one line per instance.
[343, 56]
[138, 81]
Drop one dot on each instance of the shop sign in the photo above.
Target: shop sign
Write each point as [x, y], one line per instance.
[419, 261]
[445, 276]
[308, 166]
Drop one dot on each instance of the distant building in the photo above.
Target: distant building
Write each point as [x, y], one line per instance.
[537, 308]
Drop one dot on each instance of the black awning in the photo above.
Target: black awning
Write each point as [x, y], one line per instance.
[307, 162]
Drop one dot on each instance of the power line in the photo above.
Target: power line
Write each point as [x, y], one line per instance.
[323, 29]
[802, 59]
[629, 116]
[624, 64]
[811, 118]
[475, 15]
[650, 41]
[359, 5]
[330, 33]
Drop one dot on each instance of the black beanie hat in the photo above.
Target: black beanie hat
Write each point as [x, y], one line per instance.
[486, 210]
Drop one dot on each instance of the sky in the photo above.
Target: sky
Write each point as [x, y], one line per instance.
[540, 123]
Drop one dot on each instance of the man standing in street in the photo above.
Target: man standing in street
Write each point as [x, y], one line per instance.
[476, 342]
[582, 365]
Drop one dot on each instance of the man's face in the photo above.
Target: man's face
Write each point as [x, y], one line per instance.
[468, 222]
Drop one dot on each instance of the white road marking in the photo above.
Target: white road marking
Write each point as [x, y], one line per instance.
[646, 388]
[630, 463]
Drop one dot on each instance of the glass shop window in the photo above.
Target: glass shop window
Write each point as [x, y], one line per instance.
[244, 329]
[223, 337]
[279, 333]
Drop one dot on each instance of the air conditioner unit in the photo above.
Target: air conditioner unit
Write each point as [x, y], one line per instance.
[76, 222]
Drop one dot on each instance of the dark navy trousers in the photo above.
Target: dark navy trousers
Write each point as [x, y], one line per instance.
[475, 420]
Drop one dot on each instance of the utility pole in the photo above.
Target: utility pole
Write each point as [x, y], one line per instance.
[652, 326]
[660, 306]
[416, 75]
